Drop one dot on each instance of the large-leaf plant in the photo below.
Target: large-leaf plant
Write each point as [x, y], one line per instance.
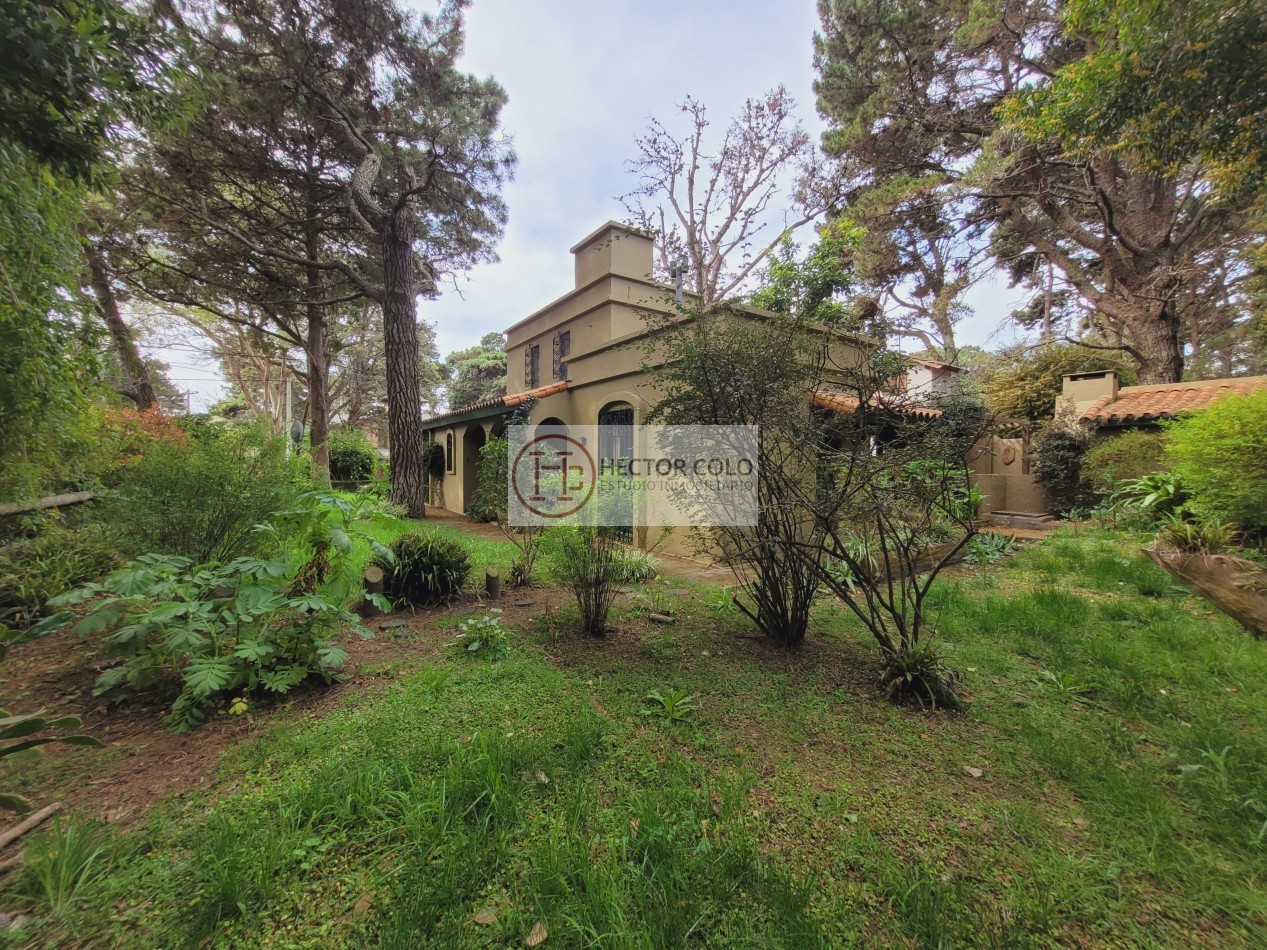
[255, 623]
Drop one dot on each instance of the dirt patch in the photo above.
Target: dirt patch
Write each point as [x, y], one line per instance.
[142, 760]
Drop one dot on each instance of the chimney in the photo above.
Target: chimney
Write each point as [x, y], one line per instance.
[1083, 390]
[614, 249]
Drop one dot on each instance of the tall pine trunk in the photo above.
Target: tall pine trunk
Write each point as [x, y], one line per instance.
[140, 389]
[1159, 345]
[404, 391]
[318, 375]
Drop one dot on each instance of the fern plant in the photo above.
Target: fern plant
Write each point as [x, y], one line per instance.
[210, 628]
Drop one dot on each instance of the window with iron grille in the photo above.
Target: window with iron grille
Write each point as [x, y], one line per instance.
[562, 350]
[532, 366]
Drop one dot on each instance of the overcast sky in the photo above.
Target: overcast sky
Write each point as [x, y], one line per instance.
[584, 77]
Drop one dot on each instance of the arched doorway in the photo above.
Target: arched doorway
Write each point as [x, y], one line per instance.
[473, 440]
[615, 449]
[550, 426]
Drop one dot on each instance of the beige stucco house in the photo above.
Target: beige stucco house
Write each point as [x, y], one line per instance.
[581, 359]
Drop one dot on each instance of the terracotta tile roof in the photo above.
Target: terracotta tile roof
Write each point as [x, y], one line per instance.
[843, 402]
[509, 401]
[1135, 405]
[935, 364]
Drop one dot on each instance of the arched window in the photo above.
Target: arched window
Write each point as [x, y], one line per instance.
[450, 463]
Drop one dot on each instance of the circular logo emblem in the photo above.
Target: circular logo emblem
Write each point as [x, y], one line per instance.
[553, 475]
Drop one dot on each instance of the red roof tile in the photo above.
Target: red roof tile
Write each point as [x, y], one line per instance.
[1135, 405]
[508, 401]
[842, 402]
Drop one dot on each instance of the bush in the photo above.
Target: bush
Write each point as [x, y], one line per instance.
[1056, 458]
[585, 559]
[491, 486]
[352, 456]
[433, 459]
[634, 567]
[1220, 454]
[429, 569]
[1155, 497]
[240, 627]
[200, 500]
[1194, 537]
[34, 570]
[1118, 458]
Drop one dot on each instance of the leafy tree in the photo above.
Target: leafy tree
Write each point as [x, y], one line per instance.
[1024, 382]
[424, 186]
[720, 367]
[46, 338]
[358, 372]
[135, 380]
[478, 372]
[711, 210]
[1166, 84]
[70, 70]
[919, 251]
[244, 204]
[811, 287]
[918, 90]
[73, 75]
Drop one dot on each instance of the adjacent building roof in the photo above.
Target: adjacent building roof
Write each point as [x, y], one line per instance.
[496, 405]
[1139, 405]
[935, 364]
[843, 402]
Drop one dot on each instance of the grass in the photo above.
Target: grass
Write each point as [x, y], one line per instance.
[1119, 728]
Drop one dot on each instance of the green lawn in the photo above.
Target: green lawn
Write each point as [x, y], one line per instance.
[1118, 726]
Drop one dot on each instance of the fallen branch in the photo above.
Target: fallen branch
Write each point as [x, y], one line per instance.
[31, 821]
[52, 501]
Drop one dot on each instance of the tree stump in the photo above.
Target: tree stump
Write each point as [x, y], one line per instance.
[492, 584]
[373, 585]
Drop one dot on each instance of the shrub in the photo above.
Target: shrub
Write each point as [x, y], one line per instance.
[1220, 454]
[429, 569]
[634, 567]
[352, 457]
[585, 559]
[491, 486]
[1156, 496]
[201, 500]
[1118, 458]
[239, 627]
[1195, 537]
[1056, 457]
[34, 570]
[433, 459]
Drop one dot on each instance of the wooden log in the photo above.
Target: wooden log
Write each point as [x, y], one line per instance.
[492, 583]
[33, 820]
[52, 501]
[1234, 585]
